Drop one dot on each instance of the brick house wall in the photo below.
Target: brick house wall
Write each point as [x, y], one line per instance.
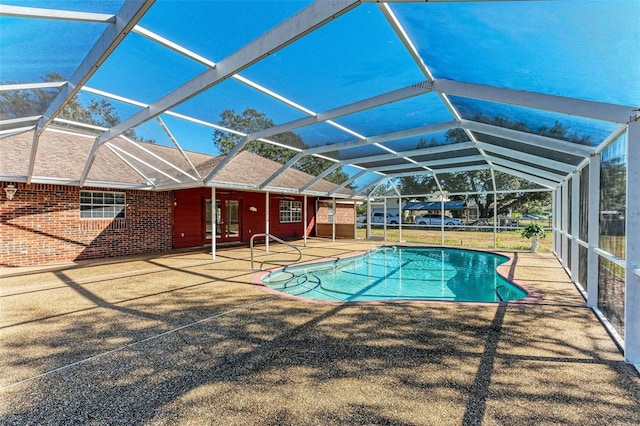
[42, 225]
[343, 214]
[344, 218]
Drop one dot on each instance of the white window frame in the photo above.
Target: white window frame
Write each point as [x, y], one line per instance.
[102, 205]
[290, 211]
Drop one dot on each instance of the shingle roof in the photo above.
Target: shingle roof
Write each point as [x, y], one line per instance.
[251, 169]
[62, 154]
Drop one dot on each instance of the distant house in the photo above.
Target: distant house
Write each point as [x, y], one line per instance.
[146, 198]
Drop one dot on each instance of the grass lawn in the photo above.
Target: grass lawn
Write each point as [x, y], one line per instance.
[505, 239]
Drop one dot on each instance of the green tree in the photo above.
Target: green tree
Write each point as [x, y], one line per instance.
[27, 103]
[250, 121]
[480, 181]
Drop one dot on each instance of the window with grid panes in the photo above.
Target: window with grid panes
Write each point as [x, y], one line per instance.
[102, 205]
[290, 211]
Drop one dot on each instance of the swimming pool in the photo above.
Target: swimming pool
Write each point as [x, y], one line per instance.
[400, 273]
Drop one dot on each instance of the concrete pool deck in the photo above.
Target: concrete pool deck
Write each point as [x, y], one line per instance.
[179, 339]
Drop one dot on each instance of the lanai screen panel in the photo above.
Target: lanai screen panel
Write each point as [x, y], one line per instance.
[355, 56]
[417, 111]
[32, 48]
[365, 74]
[236, 96]
[579, 130]
[613, 200]
[546, 47]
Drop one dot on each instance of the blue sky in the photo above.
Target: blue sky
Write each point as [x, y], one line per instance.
[583, 49]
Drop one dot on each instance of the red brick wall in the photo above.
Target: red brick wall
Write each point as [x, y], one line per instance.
[42, 225]
[344, 212]
[344, 217]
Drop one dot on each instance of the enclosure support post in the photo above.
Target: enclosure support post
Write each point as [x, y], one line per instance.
[306, 222]
[214, 219]
[266, 221]
[368, 220]
[593, 231]
[442, 219]
[355, 220]
[632, 284]
[575, 225]
[495, 219]
[333, 221]
[384, 220]
[399, 219]
[554, 214]
[565, 224]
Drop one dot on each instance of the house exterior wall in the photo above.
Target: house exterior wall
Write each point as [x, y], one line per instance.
[42, 225]
[344, 218]
[189, 220]
[289, 230]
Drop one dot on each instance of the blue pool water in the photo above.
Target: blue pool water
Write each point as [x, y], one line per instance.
[400, 273]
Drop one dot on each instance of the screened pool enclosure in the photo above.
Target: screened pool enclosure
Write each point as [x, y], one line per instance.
[403, 100]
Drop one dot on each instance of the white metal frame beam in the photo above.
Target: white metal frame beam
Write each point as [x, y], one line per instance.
[413, 51]
[371, 185]
[32, 86]
[304, 22]
[422, 130]
[169, 134]
[528, 138]
[564, 223]
[159, 158]
[430, 164]
[366, 104]
[556, 177]
[211, 64]
[574, 247]
[11, 122]
[379, 139]
[440, 171]
[535, 179]
[130, 164]
[593, 231]
[320, 177]
[412, 153]
[347, 182]
[570, 106]
[632, 249]
[127, 17]
[141, 161]
[533, 159]
[55, 14]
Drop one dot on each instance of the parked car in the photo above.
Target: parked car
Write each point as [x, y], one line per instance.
[436, 220]
[379, 218]
[531, 216]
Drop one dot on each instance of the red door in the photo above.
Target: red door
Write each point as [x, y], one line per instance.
[227, 221]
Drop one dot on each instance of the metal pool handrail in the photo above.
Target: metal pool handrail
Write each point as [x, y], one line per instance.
[273, 237]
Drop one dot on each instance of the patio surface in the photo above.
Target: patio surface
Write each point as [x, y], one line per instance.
[179, 339]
